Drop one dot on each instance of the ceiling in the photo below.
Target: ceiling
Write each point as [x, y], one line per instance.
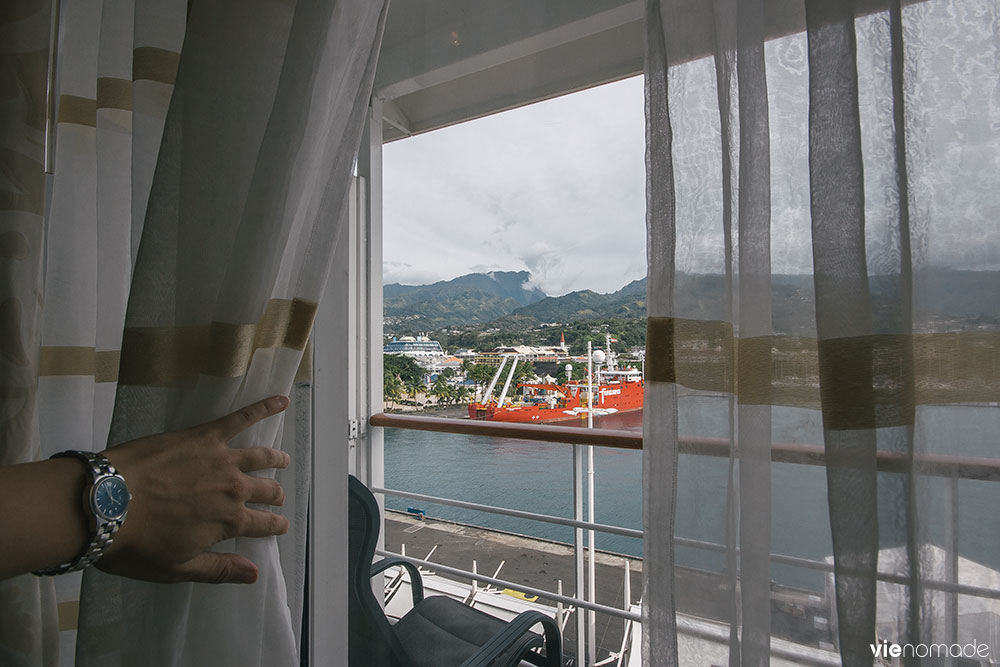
[446, 61]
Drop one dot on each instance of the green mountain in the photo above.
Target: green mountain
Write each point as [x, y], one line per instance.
[947, 297]
[950, 298]
[475, 298]
[628, 302]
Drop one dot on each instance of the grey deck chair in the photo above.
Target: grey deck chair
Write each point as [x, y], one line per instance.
[438, 631]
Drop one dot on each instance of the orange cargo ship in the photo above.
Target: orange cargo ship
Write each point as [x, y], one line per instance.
[614, 391]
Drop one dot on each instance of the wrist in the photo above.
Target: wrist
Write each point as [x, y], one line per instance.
[119, 459]
[103, 503]
[73, 479]
[44, 522]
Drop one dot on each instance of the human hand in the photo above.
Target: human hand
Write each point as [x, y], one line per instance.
[189, 491]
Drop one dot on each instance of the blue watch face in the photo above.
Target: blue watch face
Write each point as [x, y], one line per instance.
[111, 498]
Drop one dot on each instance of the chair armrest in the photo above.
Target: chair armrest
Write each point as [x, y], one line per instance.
[416, 582]
[506, 638]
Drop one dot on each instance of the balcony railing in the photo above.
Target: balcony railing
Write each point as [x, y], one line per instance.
[953, 468]
[927, 464]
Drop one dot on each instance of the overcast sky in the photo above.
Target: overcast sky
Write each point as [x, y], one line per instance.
[555, 188]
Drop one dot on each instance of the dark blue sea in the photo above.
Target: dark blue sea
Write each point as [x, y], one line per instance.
[538, 477]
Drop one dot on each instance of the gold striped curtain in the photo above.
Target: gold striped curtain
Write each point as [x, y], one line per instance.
[115, 66]
[71, 237]
[824, 280]
[246, 205]
[167, 272]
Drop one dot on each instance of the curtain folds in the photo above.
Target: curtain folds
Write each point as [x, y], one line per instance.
[75, 232]
[823, 268]
[167, 273]
[247, 203]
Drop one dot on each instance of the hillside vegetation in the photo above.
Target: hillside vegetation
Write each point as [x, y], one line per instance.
[471, 299]
[483, 310]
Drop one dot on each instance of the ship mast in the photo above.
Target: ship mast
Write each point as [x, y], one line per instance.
[612, 360]
[510, 376]
[496, 376]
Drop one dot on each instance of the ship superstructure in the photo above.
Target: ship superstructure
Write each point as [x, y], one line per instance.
[614, 390]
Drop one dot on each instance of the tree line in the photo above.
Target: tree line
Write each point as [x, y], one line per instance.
[403, 378]
[518, 330]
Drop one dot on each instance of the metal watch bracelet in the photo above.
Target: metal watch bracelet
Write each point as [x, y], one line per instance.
[98, 468]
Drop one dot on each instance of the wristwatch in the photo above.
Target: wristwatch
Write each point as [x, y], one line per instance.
[106, 499]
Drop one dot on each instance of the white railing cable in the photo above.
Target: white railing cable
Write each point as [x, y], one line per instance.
[520, 514]
[782, 559]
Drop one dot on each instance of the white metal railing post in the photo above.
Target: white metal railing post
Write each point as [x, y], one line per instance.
[475, 584]
[578, 572]
[591, 553]
[628, 590]
[559, 605]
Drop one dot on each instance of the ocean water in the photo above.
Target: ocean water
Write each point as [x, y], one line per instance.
[538, 477]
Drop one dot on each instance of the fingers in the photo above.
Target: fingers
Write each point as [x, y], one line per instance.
[246, 417]
[265, 492]
[261, 458]
[215, 568]
[258, 523]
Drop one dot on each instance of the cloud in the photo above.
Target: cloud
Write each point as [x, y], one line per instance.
[406, 274]
[545, 265]
[555, 188]
[558, 188]
[484, 268]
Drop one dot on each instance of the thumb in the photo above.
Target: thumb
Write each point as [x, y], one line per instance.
[215, 568]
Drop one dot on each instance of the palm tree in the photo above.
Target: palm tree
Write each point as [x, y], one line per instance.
[413, 386]
[392, 389]
[440, 389]
[481, 374]
[452, 394]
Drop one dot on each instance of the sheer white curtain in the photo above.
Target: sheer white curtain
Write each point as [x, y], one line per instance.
[247, 203]
[70, 238]
[246, 197]
[823, 270]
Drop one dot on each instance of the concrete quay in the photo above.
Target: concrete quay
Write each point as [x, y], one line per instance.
[797, 615]
[526, 560]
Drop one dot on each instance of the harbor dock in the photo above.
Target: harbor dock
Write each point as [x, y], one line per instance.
[527, 560]
[796, 614]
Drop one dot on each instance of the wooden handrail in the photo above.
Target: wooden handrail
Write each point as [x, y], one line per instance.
[604, 437]
[961, 467]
